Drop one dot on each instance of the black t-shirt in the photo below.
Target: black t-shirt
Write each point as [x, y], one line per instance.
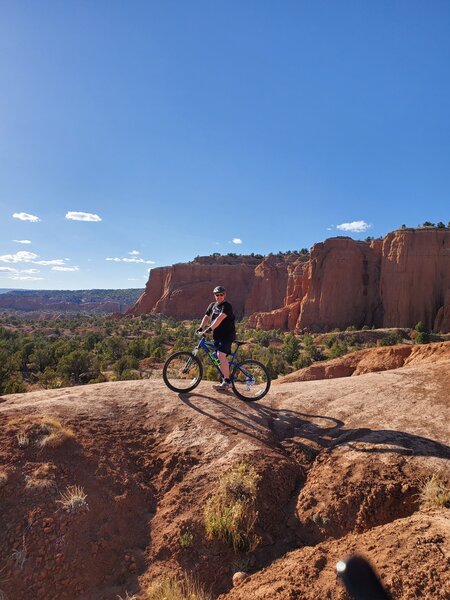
[226, 330]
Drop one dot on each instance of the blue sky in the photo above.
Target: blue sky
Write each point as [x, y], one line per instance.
[186, 125]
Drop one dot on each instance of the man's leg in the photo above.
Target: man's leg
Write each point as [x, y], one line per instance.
[224, 366]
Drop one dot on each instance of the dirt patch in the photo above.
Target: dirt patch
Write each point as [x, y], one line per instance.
[338, 466]
[410, 555]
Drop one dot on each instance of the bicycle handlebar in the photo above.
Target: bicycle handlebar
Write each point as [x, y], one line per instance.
[203, 333]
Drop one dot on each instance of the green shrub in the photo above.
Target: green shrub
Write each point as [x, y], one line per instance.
[339, 348]
[128, 375]
[422, 337]
[391, 339]
[302, 361]
[230, 513]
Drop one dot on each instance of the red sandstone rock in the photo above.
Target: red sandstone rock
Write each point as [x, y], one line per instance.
[415, 277]
[394, 282]
[342, 285]
[184, 290]
[371, 360]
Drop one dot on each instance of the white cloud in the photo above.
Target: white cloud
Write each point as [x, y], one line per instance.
[236, 241]
[132, 260]
[134, 279]
[82, 216]
[134, 252]
[23, 216]
[30, 257]
[22, 241]
[26, 278]
[22, 256]
[65, 268]
[17, 271]
[354, 226]
[46, 263]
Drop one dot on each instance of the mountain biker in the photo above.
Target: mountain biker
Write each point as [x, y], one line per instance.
[219, 315]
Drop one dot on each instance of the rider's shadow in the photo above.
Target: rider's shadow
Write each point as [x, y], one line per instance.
[252, 425]
[311, 432]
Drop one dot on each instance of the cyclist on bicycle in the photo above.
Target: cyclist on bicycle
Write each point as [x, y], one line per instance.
[219, 315]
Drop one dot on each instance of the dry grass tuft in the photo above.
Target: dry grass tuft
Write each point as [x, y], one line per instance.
[23, 440]
[3, 477]
[54, 433]
[43, 431]
[434, 493]
[230, 514]
[73, 499]
[186, 538]
[173, 588]
[19, 556]
[42, 477]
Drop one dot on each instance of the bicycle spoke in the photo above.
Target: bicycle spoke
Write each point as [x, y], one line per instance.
[182, 372]
[250, 380]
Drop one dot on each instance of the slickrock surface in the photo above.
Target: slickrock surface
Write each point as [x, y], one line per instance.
[341, 464]
[394, 282]
[370, 360]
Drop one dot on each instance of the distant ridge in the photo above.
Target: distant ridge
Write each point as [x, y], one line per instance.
[74, 301]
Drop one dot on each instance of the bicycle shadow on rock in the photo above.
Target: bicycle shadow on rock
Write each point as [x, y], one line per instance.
[290, 425]
[310, 432]
[231, 417]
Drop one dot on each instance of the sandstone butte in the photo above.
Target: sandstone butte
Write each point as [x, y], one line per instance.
[396, 281]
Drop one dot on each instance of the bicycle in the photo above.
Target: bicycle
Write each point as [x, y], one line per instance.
[183, 371]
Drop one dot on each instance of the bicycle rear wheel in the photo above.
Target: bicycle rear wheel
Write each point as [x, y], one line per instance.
[182, 372]
[250, 380]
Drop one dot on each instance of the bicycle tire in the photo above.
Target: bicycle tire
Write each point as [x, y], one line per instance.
[250, 380]
[173, 373]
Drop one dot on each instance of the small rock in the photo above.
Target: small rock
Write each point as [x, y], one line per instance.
[239, 577]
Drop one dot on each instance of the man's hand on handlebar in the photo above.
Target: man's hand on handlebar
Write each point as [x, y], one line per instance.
[201, 331]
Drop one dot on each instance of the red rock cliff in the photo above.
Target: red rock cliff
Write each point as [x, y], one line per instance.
[394, 282]
[184, 290]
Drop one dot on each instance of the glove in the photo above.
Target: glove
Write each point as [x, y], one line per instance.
[199, 330]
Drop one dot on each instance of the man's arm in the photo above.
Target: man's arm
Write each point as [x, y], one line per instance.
[218, 321]
[205, 321]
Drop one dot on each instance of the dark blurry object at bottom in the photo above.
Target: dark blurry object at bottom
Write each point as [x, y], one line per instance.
[360, 580]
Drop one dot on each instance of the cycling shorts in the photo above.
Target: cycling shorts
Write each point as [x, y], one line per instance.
[224, 345]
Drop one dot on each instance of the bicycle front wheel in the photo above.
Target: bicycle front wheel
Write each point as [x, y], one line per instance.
[250, 380]
[182, 372]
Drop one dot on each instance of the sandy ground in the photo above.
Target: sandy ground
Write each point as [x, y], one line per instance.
[341, 464]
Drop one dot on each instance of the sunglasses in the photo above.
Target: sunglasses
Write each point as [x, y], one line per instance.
[219, 294]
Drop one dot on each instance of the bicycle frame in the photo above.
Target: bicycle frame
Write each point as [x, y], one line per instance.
[210, 350]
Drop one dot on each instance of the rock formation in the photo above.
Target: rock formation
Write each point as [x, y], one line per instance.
[185, 289]
[370, 360]
[394, 282]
